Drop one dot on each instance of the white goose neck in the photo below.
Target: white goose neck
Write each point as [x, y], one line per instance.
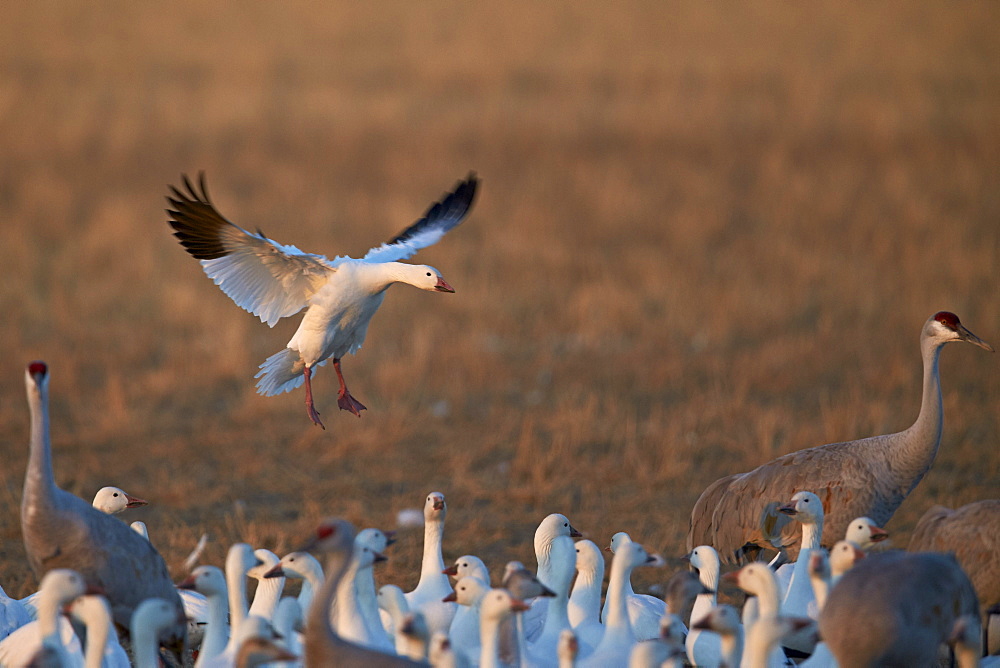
[432, 562]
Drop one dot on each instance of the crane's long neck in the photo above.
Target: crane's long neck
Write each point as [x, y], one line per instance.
[913, 457]
[40, 489]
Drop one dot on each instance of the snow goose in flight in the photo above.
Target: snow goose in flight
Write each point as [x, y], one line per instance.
[340, 296]
[738, 515]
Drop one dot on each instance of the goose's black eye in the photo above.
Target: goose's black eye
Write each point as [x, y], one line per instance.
[115, 495]
[428, 273]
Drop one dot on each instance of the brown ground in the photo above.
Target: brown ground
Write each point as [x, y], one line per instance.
[707, 235]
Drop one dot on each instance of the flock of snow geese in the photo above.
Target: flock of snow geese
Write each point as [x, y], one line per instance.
[832, 595]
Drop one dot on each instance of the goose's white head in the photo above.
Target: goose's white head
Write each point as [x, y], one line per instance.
[753, 578]
[367, 557]
[723, 619]
[588, 556]
[376, 539]
[468, 565]
[63, 585]
[553, 526]
[295, 565]
[435, 508]
[498, 604]
[207, 580]
[469, 590]
[843, 555]
[113, 500]
[267, 561]
[805, 507]
[428, 278]
[241, 559]
[945, 327]
[704, 557]
[391, 598]
[865, 533]
[633, 554]
[617, 541]
[157, 615]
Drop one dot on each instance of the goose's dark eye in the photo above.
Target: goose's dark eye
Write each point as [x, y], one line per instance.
[428, 273]
[115, 495]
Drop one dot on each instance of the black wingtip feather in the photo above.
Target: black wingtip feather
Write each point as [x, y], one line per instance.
[195, 221]
[448, 212]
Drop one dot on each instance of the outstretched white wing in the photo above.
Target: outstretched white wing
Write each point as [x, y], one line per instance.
[267, 279]
[440, 217]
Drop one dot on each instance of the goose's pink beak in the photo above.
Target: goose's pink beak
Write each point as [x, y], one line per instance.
[442, 286]
[134, 501]
[878, 534]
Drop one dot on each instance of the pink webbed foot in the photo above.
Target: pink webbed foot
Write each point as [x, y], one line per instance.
[314, 415]
[349, 403]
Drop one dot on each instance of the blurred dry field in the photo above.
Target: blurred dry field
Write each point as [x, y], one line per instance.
[708, 234]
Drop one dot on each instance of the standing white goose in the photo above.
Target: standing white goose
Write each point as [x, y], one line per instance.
[273, 281]
[347, 617]
[103, 649]
[152, 618]
[497, 605]
[58, 587]
[808, 510]
[618, 639]
[62, 530]
[268, 592]
[210, 582]
[392, 601]
[704, 649]
[644, 611]
[433, 585]
[724, 621]
[464, 633]
[870, 477]
[559, 579]
[113, 500]
[303, 566]
[758, 580]
[239, 560]
[585, 599]
[364, 584]
[550, 530]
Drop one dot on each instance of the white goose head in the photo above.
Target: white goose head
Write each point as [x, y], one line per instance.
[617, 541]
[843, 555]
[704, 558]
[376, 539]
[588, 557]
[469, 565]
[206, 580]
[498, 604]
[552, 527]
[805, 507]
[435, 508]
[468, 591]
[865, 533]
[426, 277]
[298, 565]
[113, 500]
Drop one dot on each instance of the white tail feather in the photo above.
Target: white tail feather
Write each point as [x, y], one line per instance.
[281, 372]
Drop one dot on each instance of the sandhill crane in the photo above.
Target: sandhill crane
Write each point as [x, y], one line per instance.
[273, 281]
[896, 608]
[64, 531]
[739, 514]
[972, 532]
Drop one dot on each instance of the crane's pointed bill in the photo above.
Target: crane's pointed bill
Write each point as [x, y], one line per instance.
[965, 335]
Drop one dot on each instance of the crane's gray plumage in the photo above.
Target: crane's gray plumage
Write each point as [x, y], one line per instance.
[64, 531]
[896, 609]
[972, 532]
[739, 515]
